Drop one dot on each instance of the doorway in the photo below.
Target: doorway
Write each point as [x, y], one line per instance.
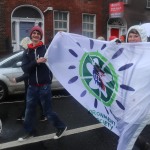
[114, 32]
[25, 28]
[23, 19]
[116, 27]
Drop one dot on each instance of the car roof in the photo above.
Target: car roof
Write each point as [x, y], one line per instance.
[10, 56]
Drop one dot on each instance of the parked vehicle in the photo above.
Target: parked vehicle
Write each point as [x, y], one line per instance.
[10, 68]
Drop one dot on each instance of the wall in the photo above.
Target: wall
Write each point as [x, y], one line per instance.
[4, 45]
[136, 12]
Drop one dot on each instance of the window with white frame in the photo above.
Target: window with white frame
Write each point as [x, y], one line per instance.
[88, 25]
[148, 3]
[13, 31]
[61, 21]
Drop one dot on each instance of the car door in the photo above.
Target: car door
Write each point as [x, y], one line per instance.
[10, 70]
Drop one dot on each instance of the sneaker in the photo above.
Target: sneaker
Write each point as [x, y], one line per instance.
[26, 137]
[60, 133]
[43, 118]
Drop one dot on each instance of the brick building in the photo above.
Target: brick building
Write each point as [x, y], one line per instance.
[135, 12]
[86, 17]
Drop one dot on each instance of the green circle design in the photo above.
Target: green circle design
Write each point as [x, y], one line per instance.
[86, 77]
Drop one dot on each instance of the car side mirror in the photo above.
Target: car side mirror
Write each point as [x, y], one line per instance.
[18, 64]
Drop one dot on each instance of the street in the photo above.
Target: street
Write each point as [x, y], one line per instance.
[84, 132]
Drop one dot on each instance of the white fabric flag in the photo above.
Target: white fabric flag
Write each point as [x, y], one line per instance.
[112, 81]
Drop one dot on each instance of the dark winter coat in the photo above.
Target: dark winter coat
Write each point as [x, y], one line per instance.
[39, 74]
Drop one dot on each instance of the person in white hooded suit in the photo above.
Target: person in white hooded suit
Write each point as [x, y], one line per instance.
[135, 34]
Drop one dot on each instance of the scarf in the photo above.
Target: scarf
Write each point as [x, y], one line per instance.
[30, 46]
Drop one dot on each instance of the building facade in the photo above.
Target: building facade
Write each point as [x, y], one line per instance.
[135, 12]
[85, 17]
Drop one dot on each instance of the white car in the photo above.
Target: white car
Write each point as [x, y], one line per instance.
[9, 69]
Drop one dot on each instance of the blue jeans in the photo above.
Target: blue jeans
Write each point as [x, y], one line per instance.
[42, 94]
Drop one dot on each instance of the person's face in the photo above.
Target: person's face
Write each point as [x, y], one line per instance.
[36, 36]
[132, 38]
[122, 39]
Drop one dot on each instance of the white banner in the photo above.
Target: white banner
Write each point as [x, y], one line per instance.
[110, 80]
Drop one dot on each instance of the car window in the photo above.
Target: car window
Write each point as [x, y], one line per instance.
[12, 62]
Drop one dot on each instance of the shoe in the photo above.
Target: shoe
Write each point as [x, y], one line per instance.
[43, 118]
[26, 137]
[20, 118]
[60, 133]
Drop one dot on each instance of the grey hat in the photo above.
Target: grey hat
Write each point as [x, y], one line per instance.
[101, 38]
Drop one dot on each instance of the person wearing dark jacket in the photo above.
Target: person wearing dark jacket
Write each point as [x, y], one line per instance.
[39, 89]
[24, 77]
[137, 34]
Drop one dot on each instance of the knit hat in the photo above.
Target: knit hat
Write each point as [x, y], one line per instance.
[36, 28]
[112, 38]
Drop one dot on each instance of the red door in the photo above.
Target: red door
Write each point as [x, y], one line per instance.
[114, 32]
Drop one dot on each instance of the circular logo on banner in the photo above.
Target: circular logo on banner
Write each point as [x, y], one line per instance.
[99, 77]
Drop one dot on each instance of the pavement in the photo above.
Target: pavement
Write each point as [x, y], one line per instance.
[84, 131]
